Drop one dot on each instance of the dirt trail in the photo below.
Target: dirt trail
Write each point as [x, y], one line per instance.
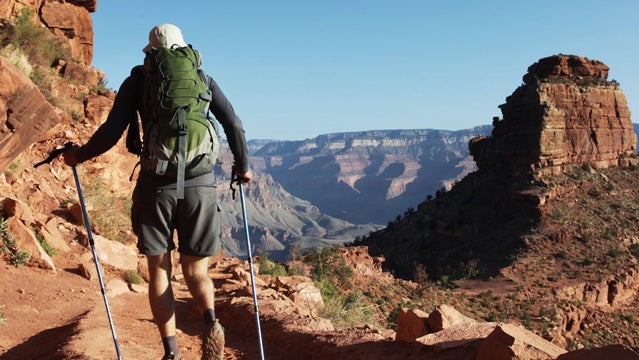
[62, 316]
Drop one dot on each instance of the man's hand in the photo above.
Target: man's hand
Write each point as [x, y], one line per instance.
[71, 155]
[245, 177]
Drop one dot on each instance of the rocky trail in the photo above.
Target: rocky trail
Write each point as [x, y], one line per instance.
[62, 315]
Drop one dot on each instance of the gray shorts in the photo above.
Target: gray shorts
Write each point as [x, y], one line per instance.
[156, 213]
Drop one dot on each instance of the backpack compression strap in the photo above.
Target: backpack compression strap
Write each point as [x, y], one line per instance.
[181, 153]
[162, 165]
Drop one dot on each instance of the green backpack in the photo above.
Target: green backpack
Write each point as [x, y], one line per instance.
[180, 139]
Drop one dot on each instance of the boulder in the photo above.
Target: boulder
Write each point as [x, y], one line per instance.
[25, 114]
[508, 341]
[244, 277]
[52, 235]
[302, 291]
[97, 108]
[86, 267]
[17, 208]
[444, 317]
[117, 287]
[411, 324]
[467, 337]
[26, 240]
[115, 254]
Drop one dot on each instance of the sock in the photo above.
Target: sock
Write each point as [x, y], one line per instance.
[170, 345]
[209, 316]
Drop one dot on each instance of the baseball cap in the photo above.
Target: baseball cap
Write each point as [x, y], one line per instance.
[164, 35]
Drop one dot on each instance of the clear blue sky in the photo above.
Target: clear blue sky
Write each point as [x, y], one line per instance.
[295, 69]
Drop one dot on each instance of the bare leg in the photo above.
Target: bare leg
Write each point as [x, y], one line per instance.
[161, 294]
[195, 270]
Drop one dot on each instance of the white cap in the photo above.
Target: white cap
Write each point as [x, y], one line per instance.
[164, 35]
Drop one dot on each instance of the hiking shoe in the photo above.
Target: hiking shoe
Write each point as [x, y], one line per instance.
[213, 341]
[171, 356]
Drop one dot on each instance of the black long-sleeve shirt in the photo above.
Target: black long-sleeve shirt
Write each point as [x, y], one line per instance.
[128, 103]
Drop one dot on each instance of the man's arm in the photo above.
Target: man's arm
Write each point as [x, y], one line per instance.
[124, 108]
[233, 128]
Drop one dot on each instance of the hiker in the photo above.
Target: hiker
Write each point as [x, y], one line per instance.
[156, 210]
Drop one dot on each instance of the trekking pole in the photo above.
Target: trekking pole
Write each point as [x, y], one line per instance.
[85, 216]
[250, 258]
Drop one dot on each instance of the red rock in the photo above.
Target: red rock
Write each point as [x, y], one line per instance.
[569, 114]
[509, 341]
[411, 324]
[444, 317]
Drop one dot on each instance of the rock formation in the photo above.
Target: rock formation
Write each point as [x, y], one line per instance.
[565, 113]
[346, 174]
[547, 209]
[27, 115]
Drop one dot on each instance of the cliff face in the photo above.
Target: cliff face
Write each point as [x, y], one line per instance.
[551, 209]
[70, 20]
[565, 113]
[348, 174]
[27, 114]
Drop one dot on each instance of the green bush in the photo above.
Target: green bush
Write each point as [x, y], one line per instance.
[347, 310]
[110, 216]
[327, 264]
[17, 256]
[268, 267]
[44, 244]
[132, 277]
[20, 258]
[36, 42]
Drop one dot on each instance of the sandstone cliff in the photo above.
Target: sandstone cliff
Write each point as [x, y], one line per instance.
[549, 215]
[566, 112]
[347, 174]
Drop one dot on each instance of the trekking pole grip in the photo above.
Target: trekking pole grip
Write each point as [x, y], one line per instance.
[54, 154]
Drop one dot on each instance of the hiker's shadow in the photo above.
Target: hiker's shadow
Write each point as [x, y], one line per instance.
[188, 319]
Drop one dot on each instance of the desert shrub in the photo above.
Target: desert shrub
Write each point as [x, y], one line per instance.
[44, 244]
[420, 277]
[16, 256]
[132, 277]
[492, 317]
[110, 216]
[3, 319]
[14, 169]
[630, 319]
[615, 253]
[327, 264]
[594, 193]
[36, 42]
[76, 115]
[268, 267]
[332, 276]
[347, 310]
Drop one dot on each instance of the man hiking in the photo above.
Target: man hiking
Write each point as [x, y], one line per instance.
[171, 194]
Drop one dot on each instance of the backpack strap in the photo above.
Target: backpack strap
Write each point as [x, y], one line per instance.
[181, 152]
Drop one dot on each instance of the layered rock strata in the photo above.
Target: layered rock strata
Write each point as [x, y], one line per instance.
[566, 112]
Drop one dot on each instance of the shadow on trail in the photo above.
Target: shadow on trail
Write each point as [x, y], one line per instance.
[46, 345]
